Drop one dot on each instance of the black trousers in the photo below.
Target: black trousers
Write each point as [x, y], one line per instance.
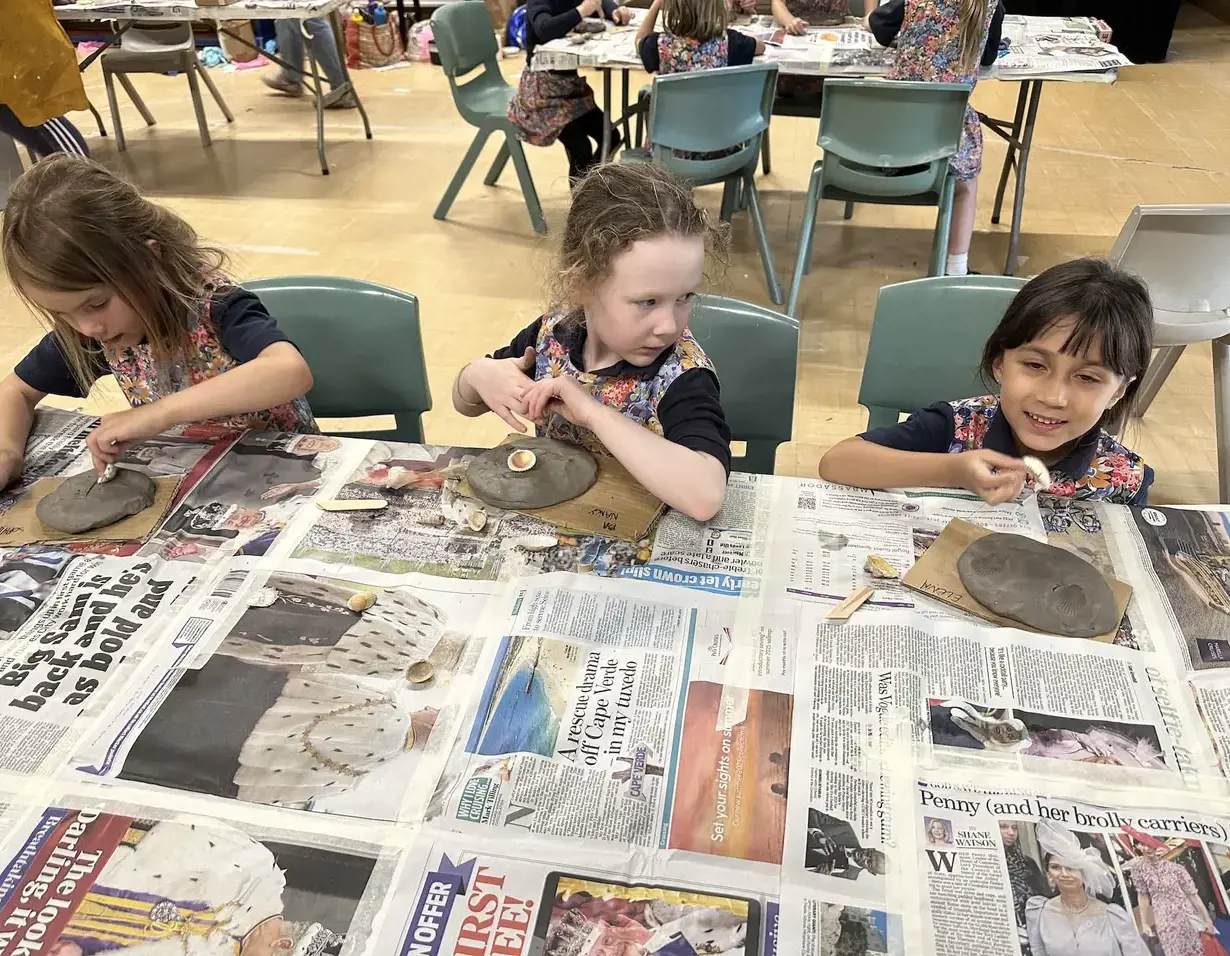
[55, 136]
[576, 138]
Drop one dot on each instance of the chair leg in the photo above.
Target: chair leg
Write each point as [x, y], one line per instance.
[198, 106]
[459, 177]
[766, 162]
[102, 130]
[752, 195]
[136, 99]
[532, 205]
[497, 168]
[943, 226]
[213, 90]
[1221, 413]
[114, 107]
[803, 254]
[1155, 376]
[729, 196]
[849, 211]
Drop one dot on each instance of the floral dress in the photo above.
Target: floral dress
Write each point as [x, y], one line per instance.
[1168, 886]
[546, 101]
[683, 55]
[929, 49]
[144, 380]
[633, 397]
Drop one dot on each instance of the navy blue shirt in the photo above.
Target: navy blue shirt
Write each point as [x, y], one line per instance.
[244, 328]
[740, 50]
[1096, 466]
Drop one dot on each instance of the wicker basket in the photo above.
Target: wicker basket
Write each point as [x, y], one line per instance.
[371, 45]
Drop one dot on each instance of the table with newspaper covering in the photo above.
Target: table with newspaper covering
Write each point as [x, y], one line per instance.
[1038, 50]
[656, 747]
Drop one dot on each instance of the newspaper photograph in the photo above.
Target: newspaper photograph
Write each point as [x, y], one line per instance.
[56, 442]
[1021, 873]
[79, 646]
[497, 895]
[627, 734]
[81, 878]
[28, 575]
[320, 693]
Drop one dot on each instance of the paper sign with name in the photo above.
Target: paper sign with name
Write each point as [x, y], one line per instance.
[935, 575]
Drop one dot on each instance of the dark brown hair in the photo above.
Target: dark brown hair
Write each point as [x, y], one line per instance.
[70, 224]
[615, 205]
[1110, 310]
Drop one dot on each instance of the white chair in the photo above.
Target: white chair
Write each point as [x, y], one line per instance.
[158, 48]
[1183, 255]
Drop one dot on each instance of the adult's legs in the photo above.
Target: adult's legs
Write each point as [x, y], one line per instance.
[57, 135]
[324, 48]
[290, 49]
[964, 207]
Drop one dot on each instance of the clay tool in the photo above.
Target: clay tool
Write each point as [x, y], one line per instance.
[352, 504]
[852, 602]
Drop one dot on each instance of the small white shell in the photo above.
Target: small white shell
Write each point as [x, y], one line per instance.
[537, 542]
[522, 460]
[264, 597]
[1042, 477]
[477, 519]
[420, 672]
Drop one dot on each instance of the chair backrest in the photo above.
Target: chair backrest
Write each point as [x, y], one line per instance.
[926, 342]
[465, 37]
[708, 111]
[872, 131]
[755, 352]
[361, 341]
[1182, 253]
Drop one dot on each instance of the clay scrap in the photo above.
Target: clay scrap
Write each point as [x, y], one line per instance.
[82, 503]
[560, 472]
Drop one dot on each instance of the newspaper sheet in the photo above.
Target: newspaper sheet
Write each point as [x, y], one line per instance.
[311, 703]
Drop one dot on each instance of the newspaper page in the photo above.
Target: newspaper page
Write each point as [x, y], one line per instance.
[608, 713]
[1055, 45]
[322, 688]
[79, 645]
[1019, 873]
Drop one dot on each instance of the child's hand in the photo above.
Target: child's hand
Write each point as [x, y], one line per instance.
[560, 395]
[11, 465]
[120, 429]
[502, 384]
[796, 27]
[589, 8]
[621, 15]
[995, 478]
[745, 6]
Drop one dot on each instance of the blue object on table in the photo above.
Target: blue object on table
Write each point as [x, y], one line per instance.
[724, 111]
[884, 141]
[515, 34]
[755, 352]
[465, 39]
[373, 365]
[926, 342]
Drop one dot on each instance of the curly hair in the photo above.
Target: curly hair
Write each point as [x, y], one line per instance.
[616, 205]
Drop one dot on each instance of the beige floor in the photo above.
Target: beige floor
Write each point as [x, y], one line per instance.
[1161, 134]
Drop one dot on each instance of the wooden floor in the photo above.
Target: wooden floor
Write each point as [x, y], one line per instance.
[1159, 135]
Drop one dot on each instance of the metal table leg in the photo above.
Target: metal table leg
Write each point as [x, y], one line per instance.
[606, 114]
[123, 28]
[625, 106]
[1022, 164]
[1013, 139]
[339, 34]
[402, 27]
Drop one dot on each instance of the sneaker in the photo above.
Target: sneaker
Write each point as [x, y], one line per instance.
[340, 101]
[279, 83]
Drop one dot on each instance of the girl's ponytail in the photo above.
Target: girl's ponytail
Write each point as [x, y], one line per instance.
[972, 19]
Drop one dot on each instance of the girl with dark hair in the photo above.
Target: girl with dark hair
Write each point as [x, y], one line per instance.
[1067, 359]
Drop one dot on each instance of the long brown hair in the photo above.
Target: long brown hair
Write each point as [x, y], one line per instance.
[615, 205]
[696, 19]
[70, 224]
[972, 20]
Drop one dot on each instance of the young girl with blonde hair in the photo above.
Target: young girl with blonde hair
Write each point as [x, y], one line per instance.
[126, 288]
[612, 365]
[696, 37]
[946, 41]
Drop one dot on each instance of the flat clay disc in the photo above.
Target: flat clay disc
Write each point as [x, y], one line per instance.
[561, 473]
[80, 504]
[1038, 585]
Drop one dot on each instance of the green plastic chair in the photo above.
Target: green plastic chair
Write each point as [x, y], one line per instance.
[363, 345]
[707, 111]
[884, 141]
[926, 342]
[465, 37]
[755, 351]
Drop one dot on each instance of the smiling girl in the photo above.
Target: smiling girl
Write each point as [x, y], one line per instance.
[613, 365]
[1067, 357]
[127, 289]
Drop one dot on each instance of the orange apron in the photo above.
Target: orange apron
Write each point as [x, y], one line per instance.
[39, 79]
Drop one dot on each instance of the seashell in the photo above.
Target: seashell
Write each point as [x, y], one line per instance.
[522, 460]
[1042, 477]
[420, 672]
[476, 520]
[361, 600]
[877, 567]
[537, 542]
[264, 597]
[432, 521]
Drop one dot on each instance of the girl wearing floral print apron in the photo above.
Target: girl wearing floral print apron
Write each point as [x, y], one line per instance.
[127, 289]
[559, 104]
[795, 16]
[945, 41]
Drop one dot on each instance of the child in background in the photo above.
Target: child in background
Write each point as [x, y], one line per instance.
[696, 38]
[559, 104]
[1067, 356]
[126, 287]
[945, 41]
[613, 366]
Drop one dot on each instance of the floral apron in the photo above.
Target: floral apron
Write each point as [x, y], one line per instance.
[683, 55]
[547, 101]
